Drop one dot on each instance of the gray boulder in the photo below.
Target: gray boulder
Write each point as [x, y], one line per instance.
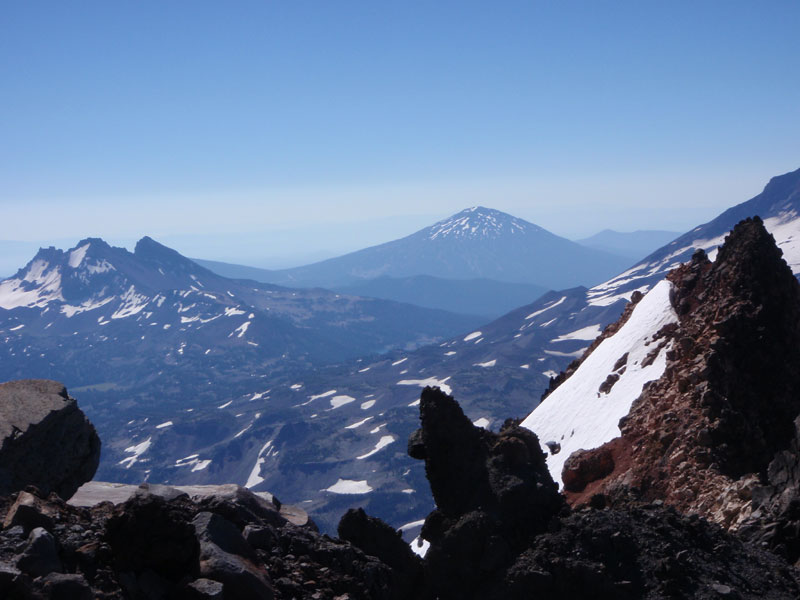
[225, 556]
[41, 555]
[45, 439]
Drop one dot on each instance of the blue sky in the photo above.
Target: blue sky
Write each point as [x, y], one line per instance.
[298, 127]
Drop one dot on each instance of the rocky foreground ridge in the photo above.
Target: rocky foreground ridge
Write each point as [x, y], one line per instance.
[501, 530]
[723, 526]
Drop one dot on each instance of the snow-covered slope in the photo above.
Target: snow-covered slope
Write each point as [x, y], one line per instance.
[577, 414]
[581, 413]
[779, 207]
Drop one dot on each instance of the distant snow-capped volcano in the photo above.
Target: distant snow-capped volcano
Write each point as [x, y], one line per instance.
[477, 242]
[480, 222]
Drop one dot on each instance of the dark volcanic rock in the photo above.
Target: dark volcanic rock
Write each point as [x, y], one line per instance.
[515, 538]
[378, 539]
[493, 495]
[162, 544]
[644, 552]
[40, 557]
[46, 440]
[775, 518]
[226, 557]
[58, 586]
[150, 534]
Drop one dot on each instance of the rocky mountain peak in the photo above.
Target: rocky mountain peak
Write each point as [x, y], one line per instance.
[702, 437]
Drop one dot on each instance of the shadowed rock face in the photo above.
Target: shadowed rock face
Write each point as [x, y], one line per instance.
[493, 494]
[503, 532]
[46, 439]
[378, 539]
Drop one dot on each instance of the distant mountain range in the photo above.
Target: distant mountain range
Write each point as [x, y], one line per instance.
[195, 402]
[301, 433]
[632, 245]
[475, 243]
[462, 264]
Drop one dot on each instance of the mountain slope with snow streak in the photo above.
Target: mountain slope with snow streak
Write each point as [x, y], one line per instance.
[101, 293]
[778, 205]
[580, 413]
[149, 338]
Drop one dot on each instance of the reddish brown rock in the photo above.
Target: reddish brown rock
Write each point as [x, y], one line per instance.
[584, 466]
[701, 438]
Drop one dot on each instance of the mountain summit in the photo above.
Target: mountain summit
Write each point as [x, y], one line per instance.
[475, 243]
[480, 222]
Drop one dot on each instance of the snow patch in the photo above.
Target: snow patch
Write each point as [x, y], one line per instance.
[473, 335]
[482, 422]
[430, 381]
[131, 304]
[349, 486]
[201, 464]
[547, 307]
[577, 415]
[135, 452]
[41, 284]
[382, 443]
[358, 423]
[341, 400]
[420, 546]
[242, 329]
[76, 256]
[586, 334]
[255, 474]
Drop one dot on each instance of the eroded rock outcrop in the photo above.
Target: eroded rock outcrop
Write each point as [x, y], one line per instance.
[503, 532]
[714, 435]
[160, 543]
[45, 439]
[493, 495]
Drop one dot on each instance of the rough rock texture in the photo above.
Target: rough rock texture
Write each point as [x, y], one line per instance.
[493, 495]
[774, 521]
[609, 330]
[378, 539]
[502, 532]
[162, 544]
[46, 441]
[704, 436]
[517, 538]
[645, 552]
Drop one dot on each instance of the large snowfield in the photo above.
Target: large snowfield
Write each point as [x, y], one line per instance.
[577, 415]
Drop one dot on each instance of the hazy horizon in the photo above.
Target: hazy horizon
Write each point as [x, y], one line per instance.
[266, 131]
